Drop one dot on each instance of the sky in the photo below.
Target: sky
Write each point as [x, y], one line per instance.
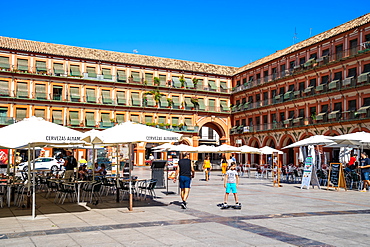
[231, 33]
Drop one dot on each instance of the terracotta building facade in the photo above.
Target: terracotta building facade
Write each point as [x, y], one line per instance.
[318, 86]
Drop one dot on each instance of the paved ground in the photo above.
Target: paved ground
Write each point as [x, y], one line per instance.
[271, 216]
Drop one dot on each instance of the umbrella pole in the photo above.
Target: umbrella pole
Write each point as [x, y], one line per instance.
[117, 175]
[93, 162]
[9, 161]
[34, 186]
[130, 178]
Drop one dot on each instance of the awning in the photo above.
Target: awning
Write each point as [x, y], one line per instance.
[73, 118]
[40, 91]
[363, 77]
[287, 95]
[333, 114]
[188, 102]
[121, 75]
[57, 117]
[176, 101]
[75, 70]
[120, 118]
[320, 87]
[90, 95]
[163, 101]
[105, 118]
[297, 120]
[189, 83]
[287, 121]
[347, 81]
[333, 84]
[135, 76]
[121, 98]
[201, 104]
[135, 100]
[22, 89]
[150, 100]
[22, 64]
[320, 116]
[277, 97]
[106, 97]
[91, 72]
[41, 66]
[4, 62]
[75, 93]
[149, 78]
[58, 68]
[39, 113]
[362, 109]
[135, 118]
[212, 85]
[223, 85]
[90, 121]
[176, 82]
[107, 74]
[308, 89]
[224, 106]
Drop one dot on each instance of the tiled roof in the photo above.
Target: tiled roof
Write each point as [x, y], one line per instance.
[111, 56]
[315, 39]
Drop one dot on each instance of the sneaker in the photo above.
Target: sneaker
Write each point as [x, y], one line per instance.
[363, 190]
[183, 205]
[224, 205]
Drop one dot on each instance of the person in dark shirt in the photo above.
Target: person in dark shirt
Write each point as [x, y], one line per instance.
[185, 172]
[365, 171]
[70, 164]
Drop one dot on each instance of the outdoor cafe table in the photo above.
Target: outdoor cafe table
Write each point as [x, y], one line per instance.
[79, 183]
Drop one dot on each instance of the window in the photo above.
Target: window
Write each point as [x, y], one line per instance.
[4, 88]
[22, 64]
[314, 56]
[73, 118]
[135, 76]
[105, 119]
[90, 95]
[74, 70]
[39, 113]
[135, 99]
[41, 66]
[40, 91]
[338, 106]
[353, 47]
[282, 116]
[265, 75]
[224, 106]
[121, 76]
[338, 76]
[106, 97]
[148, 118]
[324, 79]
[339, 51]
[121, 98]
[4, 63]
[238, 83]
[352, 105]
[175, 121]
[325, 52]
[163, 80]
[91, 72]
[74, 93]
[176, 101]
[149, 78]
[120, 118]
[90, 119]
[135, 118]
[22, 90]
[58, 69]
[302, 60]
[352, 72]
[162, 119]
[211, 105]
[57, 117]
[366, 68]
[324, 108]
[107, 74]
[212, 85]
[20, 114]
[282, 70]
[313, 82]
[188, 122]
[57, 92]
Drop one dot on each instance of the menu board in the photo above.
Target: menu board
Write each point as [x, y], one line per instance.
[336, 176]
[307, 172]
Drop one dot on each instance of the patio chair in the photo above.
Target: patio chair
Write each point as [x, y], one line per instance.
[147, 188]
[2, 195]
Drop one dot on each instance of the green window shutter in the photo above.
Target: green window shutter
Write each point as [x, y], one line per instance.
[73, 118]
[149, 78]
[162, 119]
[22, 64]
[135, 118]
[120, 118]
[22, 90]
[121, 76]
[150, 100]
[75, 70]
[75, 94]
[188, 103]
[106, 97]
[58, 68]
[212, 85]
[90, 95]
[40, 113]
[121, 98]
[201, 104]
[135, 100]
[148, 119]
[90, 119]
[57, 117]
[175, 120]
[211, 105]
[4, 63]
[91, 72]
[4, 88]
[41, 66]
[223, 84]
[224, 106]
[163, 102]
[188, 122]
[107, 74]
[176, 82]
[105, 118]
[200, 84]
[163, 80]
[176, 101]
[136, 76]
[20, 114]
[40, 91]
[189, 83]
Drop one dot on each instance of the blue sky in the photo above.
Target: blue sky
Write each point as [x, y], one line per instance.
[232, 33]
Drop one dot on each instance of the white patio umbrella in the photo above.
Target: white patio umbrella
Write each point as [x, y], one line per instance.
[182, 148]
[224, 148]
[206, 149]
[249, 150]
[163, 146]
[312, 140]
[358, 139]
[269, 150]
[36, 132]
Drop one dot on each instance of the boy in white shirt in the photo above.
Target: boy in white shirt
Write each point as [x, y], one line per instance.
[231, 182]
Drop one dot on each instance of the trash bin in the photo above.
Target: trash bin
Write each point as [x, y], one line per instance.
[158, 173]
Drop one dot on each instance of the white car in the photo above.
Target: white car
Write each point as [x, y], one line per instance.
[46, 163]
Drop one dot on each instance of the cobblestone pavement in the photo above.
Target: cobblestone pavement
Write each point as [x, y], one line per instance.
[270, 216]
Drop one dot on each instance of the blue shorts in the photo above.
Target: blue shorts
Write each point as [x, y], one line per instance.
[184, 182]
[365, 175]
[232, 187]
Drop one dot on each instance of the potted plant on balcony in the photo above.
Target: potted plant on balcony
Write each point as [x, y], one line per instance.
[313, 117]
[195, 101]
[174, 125]
[161, 125]
[195, 81]
[180, 126]
[182, 80]
[157, 81]
[305, 121]
[167, 125]
[82, 124]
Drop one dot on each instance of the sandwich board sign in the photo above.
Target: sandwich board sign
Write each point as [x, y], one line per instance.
[336, 177]
[309, 176]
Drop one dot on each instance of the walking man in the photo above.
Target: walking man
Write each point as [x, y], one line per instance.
[70, 164]
[185, 172]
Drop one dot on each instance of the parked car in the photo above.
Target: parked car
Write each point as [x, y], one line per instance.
[47, 163]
